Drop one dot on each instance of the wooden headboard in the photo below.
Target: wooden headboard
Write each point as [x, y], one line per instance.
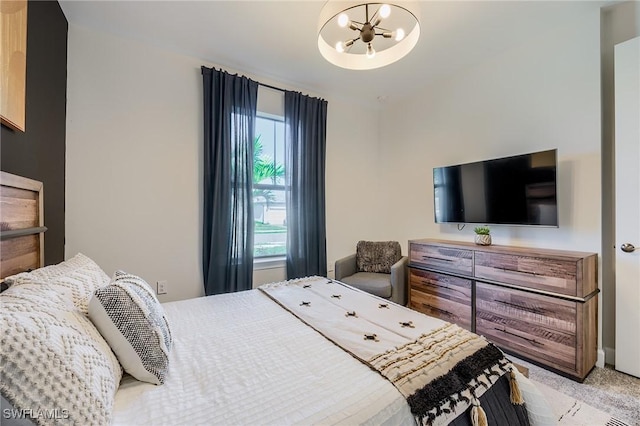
[21, 224]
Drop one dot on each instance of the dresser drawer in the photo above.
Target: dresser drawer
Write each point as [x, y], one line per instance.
[446, 259]
[553, 275]
[441, 296]
[539, 327]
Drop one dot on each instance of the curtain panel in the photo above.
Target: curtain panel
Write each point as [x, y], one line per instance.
[230, 103]
[305, 139]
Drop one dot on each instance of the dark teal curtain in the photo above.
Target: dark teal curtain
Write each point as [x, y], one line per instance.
[305, 138]
[229, 129]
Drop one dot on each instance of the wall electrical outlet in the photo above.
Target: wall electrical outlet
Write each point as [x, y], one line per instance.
[161, 287]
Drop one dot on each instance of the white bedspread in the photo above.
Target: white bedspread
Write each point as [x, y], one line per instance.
[240, 359]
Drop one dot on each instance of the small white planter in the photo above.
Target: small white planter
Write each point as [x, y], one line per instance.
[483, 239]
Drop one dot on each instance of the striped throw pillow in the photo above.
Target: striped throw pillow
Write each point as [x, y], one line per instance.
[130, 318]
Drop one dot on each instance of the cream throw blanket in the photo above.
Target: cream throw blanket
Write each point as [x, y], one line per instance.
[439, 367]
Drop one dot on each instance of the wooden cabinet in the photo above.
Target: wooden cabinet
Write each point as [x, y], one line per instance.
[442, 258]
[538, 304]
[443, 296]
[540, 270]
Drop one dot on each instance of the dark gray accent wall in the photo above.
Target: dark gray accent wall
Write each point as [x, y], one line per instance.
[39, 152]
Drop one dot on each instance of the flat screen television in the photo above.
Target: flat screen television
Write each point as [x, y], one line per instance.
[517, 190]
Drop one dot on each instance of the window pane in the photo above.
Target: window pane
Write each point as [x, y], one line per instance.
[279, 150]
[270, 223]
[269, 201]
[264, 151]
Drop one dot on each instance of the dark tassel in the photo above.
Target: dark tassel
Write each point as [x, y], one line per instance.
[516, 396]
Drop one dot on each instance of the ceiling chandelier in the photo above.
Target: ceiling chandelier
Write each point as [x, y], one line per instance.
[362, 36]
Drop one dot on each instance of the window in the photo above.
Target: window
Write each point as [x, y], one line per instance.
[269, 205]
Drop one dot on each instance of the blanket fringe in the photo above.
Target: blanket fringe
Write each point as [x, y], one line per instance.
[516, 396]
[478, 416]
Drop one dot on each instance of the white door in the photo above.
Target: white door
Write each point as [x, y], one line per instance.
[627, 253]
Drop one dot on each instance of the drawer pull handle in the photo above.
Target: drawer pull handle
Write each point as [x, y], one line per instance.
[524, 308]
[534, 341]
[442, 311]
[448, 288]
[437, 285]
[437, 259]
[519, 272]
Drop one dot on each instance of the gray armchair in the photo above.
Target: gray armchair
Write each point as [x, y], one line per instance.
[377, 267]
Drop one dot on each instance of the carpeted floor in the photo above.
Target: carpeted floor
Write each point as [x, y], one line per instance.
[570, 411]
[604, 388]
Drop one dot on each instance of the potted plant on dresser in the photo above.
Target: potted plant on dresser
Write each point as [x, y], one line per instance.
[483, 235]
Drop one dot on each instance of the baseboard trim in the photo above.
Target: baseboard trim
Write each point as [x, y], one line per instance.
[601, 359]
[609, 356]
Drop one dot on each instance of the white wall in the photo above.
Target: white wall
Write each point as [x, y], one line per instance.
[543, 95]
[134, 169]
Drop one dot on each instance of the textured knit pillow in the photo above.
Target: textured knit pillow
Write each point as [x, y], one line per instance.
[377, 256]
[53, 358]
[76, 279]
[132, 320]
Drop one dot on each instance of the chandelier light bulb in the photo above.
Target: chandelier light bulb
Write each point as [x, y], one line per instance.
[343, 20]
[370, 51]
[340, 47]
[399, 34]
[385, 11]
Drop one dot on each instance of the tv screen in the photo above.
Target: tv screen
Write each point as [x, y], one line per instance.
[518, 190]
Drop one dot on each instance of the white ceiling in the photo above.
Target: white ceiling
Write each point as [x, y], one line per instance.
[278, 39]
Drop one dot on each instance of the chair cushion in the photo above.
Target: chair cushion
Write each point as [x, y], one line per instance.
[371, 282]
[377, 256]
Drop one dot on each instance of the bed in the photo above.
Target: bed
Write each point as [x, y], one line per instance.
[263, 356]
[21, 225]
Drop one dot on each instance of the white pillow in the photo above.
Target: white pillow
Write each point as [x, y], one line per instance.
[129, 317]
[53, 358]
[76, 279]
[538, 409]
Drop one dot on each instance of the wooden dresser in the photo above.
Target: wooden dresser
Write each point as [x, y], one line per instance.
[538, 304]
